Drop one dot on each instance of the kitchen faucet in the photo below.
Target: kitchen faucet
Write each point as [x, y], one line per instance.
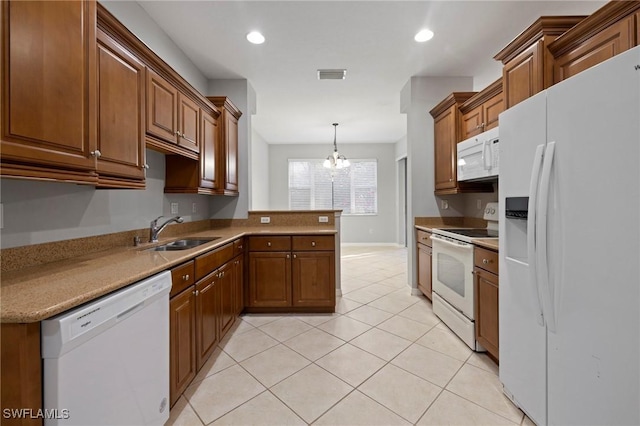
[154, 229]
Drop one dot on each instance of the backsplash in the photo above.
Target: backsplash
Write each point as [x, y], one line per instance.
[38, 212]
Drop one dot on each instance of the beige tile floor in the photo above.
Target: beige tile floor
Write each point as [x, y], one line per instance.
[383, 358]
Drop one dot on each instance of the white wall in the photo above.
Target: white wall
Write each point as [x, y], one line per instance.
[259, 173]
[417, 98]
[38, 212]
[378, 228]
[136, 19]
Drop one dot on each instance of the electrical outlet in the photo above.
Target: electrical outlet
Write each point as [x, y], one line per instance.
[323, 219]
[444, 204]
[194, 208]
[265, 219]
[174, 208]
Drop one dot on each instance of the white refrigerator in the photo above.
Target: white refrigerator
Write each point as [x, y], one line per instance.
[569, 301]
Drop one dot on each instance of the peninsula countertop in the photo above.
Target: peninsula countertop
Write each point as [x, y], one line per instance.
[39, 292]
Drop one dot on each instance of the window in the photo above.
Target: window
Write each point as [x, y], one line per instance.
[354, 189]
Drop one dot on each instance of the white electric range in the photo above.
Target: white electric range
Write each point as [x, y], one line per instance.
[453, 295]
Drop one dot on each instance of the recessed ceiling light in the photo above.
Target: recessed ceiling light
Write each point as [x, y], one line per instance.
[423, 35]
[255, 37]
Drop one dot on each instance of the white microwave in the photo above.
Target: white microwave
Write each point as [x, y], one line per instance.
[478, 157]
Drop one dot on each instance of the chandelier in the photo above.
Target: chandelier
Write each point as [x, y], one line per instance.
[336, 160]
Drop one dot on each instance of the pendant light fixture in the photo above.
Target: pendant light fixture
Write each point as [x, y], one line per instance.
[336, 160]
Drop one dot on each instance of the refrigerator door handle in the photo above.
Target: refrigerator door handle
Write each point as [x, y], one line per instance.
[542, 261]
[531, 232]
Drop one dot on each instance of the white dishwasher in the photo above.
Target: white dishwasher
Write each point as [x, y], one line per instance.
[107, 362]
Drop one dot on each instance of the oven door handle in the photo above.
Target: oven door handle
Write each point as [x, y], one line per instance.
[457, 244]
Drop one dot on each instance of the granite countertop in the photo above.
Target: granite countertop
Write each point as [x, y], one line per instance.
[489, 243]
[39, 292]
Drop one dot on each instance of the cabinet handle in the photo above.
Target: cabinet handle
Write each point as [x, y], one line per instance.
[96, 153]
[146, 166]
[288, 256]
[486, 261]
[268, 243]
[239, 247]
[178, 133]
[188, 139]
[295, 256]
[313, 243]
[185, 277]
[195, 293]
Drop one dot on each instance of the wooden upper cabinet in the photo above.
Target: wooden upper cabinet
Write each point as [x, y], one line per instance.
[188, 123]
[162, 108]
[480, 112]
[528, 65]
[610, 30]
[49, 90]
[209, 151]
[202, 176]
[445, 136]
[228, 158]
[447, 133]
[121, 106]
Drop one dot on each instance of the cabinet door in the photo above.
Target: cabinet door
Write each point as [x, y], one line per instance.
[522, 76]
[182, 342]
[209, 151]
[486, 289]
[269, 279]
[207, 313]
[227, 297]
[188, 123]
[424, 269]
[445, 149]
[238, 275]
[231, 149]
[49, 90]
[602, 46]
[492, 109]
[162, 104]
[121, 89]
[313, 278]
[473, 122]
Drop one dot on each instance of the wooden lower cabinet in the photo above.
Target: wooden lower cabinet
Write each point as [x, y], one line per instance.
[226, 282]
[208, 309]
[269, 279]
[486, 299]
[21, 367]
[182, 337]
[311, 273]
[298, 275]
[423, 256]
[238, 283]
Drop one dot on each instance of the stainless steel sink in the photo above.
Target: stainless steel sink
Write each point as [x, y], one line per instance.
[184, 244]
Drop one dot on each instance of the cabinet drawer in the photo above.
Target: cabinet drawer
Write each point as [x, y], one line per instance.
[182, 277]
[486, 259]
[423, 237]
[238, 247]
[313, 242]
[211, 261]
[271, 243]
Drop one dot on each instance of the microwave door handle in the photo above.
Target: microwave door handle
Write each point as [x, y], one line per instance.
[485, 147]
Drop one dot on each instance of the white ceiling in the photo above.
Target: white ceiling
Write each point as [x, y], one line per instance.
[373, 40]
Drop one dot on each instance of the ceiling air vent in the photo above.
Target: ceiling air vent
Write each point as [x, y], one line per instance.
[332, 74]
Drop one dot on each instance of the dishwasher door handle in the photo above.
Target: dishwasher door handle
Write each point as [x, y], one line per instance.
[124, 314]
